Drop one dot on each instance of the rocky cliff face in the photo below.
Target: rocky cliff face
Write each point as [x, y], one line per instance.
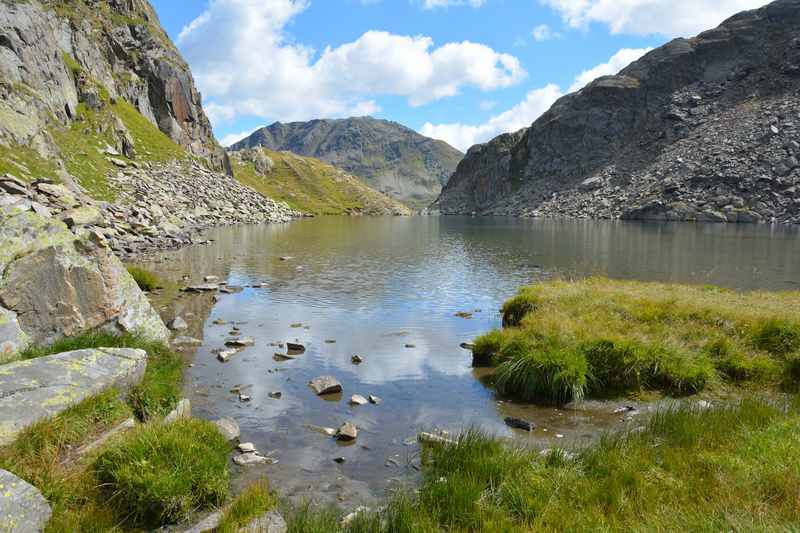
[58, 57]
[391, 158]
[706, 128]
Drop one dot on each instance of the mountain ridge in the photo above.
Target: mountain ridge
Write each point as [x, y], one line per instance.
[684, 133]
[390, 157]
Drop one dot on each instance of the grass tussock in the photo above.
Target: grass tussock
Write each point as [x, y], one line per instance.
[253, 502]
[41, 454]
[689, 469]
[163, 472]
[146, 280]
[599, 337]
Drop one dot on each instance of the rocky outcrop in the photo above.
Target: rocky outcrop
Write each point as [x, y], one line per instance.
[41, 388]
[391, 158]
[159, 207]
[698, 129]
[23, 509]
[55, 56]
[57, 283]
[309, 184]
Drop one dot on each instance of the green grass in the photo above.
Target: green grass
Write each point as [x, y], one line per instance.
[253, 502]
[161, 473]
[26, 164]
[312, 186]
[603, 338]
[723, 469]
[38, 453]
[145, 279]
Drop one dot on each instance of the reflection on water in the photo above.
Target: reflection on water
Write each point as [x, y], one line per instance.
[376, 285]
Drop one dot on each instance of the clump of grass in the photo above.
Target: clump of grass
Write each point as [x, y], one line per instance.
[38, 456]
[146, 280]
[777, 336]
[544, 374]
[255, 501]
[486, 348]
[608, 338]
[161, 473]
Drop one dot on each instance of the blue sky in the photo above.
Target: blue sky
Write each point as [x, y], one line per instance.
[460, 70]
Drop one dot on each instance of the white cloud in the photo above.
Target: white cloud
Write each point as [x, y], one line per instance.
[543, 32]
[522, 115]
[246, 64]
[463, 136]
[618, 61]
[232, 138]
[644, 17]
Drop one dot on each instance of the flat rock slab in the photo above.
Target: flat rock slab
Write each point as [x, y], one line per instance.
[272, 522]
[41, 388]
[325, 385]
[23, 509]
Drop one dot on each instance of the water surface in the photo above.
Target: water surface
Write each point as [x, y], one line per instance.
[378, 285]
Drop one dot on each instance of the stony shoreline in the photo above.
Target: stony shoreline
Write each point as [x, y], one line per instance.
[159, 207]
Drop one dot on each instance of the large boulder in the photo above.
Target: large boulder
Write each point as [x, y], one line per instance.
[41, 388]
[55, 284]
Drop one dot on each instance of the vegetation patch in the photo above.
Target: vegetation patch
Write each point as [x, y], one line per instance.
[145, 279]
[311, 185]
[25, 163]
[690, 469]
[599, 337]
[255, 501]
[163, 472]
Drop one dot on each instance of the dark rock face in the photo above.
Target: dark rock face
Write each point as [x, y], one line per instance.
[388, 156]
[699, 129]
[117, 44]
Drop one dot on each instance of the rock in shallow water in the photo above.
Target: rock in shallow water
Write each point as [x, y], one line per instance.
[347, 432]
[228, 427]
[325, 385]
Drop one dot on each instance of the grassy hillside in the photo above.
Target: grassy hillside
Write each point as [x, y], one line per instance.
[310, 185]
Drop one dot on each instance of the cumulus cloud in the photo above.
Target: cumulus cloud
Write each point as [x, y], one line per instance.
[522, 115]
[543, 32]
[462, 136]
[672, 18]
[618, 61]
[246, 64]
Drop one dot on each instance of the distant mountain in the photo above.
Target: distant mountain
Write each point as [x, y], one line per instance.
[390, 157]
[310, 185]
[705, 128]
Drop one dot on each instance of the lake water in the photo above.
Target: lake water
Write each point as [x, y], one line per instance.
[376, 285]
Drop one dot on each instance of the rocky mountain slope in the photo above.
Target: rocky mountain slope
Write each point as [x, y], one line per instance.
[309, 184]
[99, 112]
[390, 157]
[706, 128]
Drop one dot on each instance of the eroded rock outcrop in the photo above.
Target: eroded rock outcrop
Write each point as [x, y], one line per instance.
[54, 57]
[706, 128]
[55, 283]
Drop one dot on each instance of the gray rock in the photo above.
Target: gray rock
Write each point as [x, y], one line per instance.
[177, 324]
[357, 399]
[271, 522]
[228, 427]
[208, 524]
[184, 340]
[347, 432]
[182, 410]
[23, 509]
[81, 216]
[325, 385]
[41, 388]
[250, 459]
[240, 342]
